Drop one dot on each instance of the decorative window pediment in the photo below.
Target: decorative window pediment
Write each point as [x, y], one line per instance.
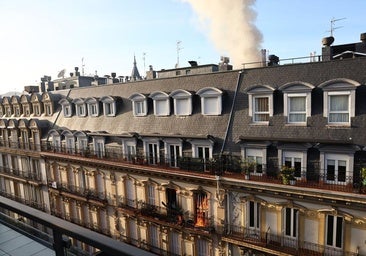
[139, 104]
[182, 102]
[161, 103]
[211, 101]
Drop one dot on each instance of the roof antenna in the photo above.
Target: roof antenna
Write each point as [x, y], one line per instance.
[82, 66]
[332, 23]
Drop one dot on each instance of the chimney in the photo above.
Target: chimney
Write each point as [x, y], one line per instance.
[151, 74]
[273, 60]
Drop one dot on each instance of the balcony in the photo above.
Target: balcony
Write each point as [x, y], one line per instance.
[27, 175]
[32, 203]
[255, 239]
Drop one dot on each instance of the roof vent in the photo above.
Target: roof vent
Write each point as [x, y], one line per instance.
[363, 37]
[327, 41]
[193, 63]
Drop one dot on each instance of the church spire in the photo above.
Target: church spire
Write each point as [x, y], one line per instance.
[135, 75]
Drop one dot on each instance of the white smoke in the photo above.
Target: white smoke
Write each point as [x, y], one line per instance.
[231, 28]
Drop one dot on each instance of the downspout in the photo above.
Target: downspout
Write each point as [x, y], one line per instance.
[231, 112]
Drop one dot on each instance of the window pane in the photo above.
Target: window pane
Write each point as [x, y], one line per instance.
[338, 103]
[251, 214]
[338, 117]
[261, 104]
[339, 232]
[297, 104]
[297, 118]
[288, 221]
[330, 222]
[330, 169]
[341, 170]
[210, 106]
[261, 117]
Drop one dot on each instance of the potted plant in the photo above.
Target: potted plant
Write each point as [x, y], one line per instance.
[246, 167]
[287, 174]
[363, 179]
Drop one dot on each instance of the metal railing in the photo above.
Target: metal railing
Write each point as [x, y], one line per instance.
[281, 243]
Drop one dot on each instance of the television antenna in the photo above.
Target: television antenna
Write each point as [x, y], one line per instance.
[82, 66]
[143, 57]
[332, 23]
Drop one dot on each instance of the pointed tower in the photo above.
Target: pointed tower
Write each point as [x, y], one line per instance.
[135, 75]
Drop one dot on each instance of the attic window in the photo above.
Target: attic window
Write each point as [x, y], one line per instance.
[260, 103]
[211, 101]
[139, 104]
[93, 106]
[80, 107]
[109, 105]
[66, 107]
[182, 102]
[161, 103]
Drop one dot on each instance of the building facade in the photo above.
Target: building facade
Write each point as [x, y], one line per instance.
[260, 161]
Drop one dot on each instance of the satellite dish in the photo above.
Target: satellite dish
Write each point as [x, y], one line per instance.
[61, 73]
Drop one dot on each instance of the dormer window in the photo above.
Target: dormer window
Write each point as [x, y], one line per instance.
[36, 109]
[161, 103]
[260, 99]
[48, 108]
[109, 106]
[66, 107]
[139, 104]
[211, 101]
[80, 107]
[182, 102]
[339, 101]
[297, 102]
[93, 106]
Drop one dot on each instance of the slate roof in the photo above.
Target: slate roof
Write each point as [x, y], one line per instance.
[314, 73]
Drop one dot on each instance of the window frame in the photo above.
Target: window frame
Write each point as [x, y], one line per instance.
[328, 232]
[209, 93]
[182, 108]
[160, 98]
[109, 106]
[140, 100]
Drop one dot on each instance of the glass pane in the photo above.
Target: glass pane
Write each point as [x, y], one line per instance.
[297, 104]
[338, 117]
[251, 214]
[339, 232]
[330, 222]
[261, 117]
[338, 103]
[330, 169]
[261, 104]
[288, 221]
[297, 118]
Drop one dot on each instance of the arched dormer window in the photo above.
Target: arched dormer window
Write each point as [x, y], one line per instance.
[54, 137]
[82, 142]
[13, 130]
[26, 105]
[93, 106]
[296, 102]
[182, 102]
[260, 103]
[211, 101]
[35, 128]
[47, 103]
[24, 133]
[139, 104]
[69, 141]
[339, 100]
[7, 107]
[161, 103]
[36, 104]
[17, 111]
[80, 107]
[109, 105]
[66, 107]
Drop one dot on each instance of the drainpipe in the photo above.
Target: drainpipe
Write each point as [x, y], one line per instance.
[231, 112]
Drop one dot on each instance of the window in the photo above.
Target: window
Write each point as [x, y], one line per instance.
[36, 110]
[334, 231]
[211, 101]
[201, 209]
[99, 147]
[139, 104]
[66, 107]
[154, 238]
[48, 109]
[290, 226]
[338, 108]
[161, 103]
[202, 247]
[253, 216]
[260, 99]
[294, 160]
[174, 243]
[93, 106]
[70, 144]
[297, 102]
[93, 109]
[130, 192]
[339, 101]
[182, 102]
[26, 111]
[255, 158]
[173, 149]
[80, 107]
[261, 109]
[153, 153]
[336, 170]
[151, 197]
[109, 105]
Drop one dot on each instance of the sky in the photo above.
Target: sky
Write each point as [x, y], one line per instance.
[43, 37]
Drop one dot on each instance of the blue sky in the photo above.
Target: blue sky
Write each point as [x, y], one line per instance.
[42, 37]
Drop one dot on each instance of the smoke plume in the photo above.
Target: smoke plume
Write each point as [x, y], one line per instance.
[230, 25]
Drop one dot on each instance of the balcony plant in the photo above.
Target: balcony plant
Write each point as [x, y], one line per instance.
[247, 167]
[287, 174]
[363, 180]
